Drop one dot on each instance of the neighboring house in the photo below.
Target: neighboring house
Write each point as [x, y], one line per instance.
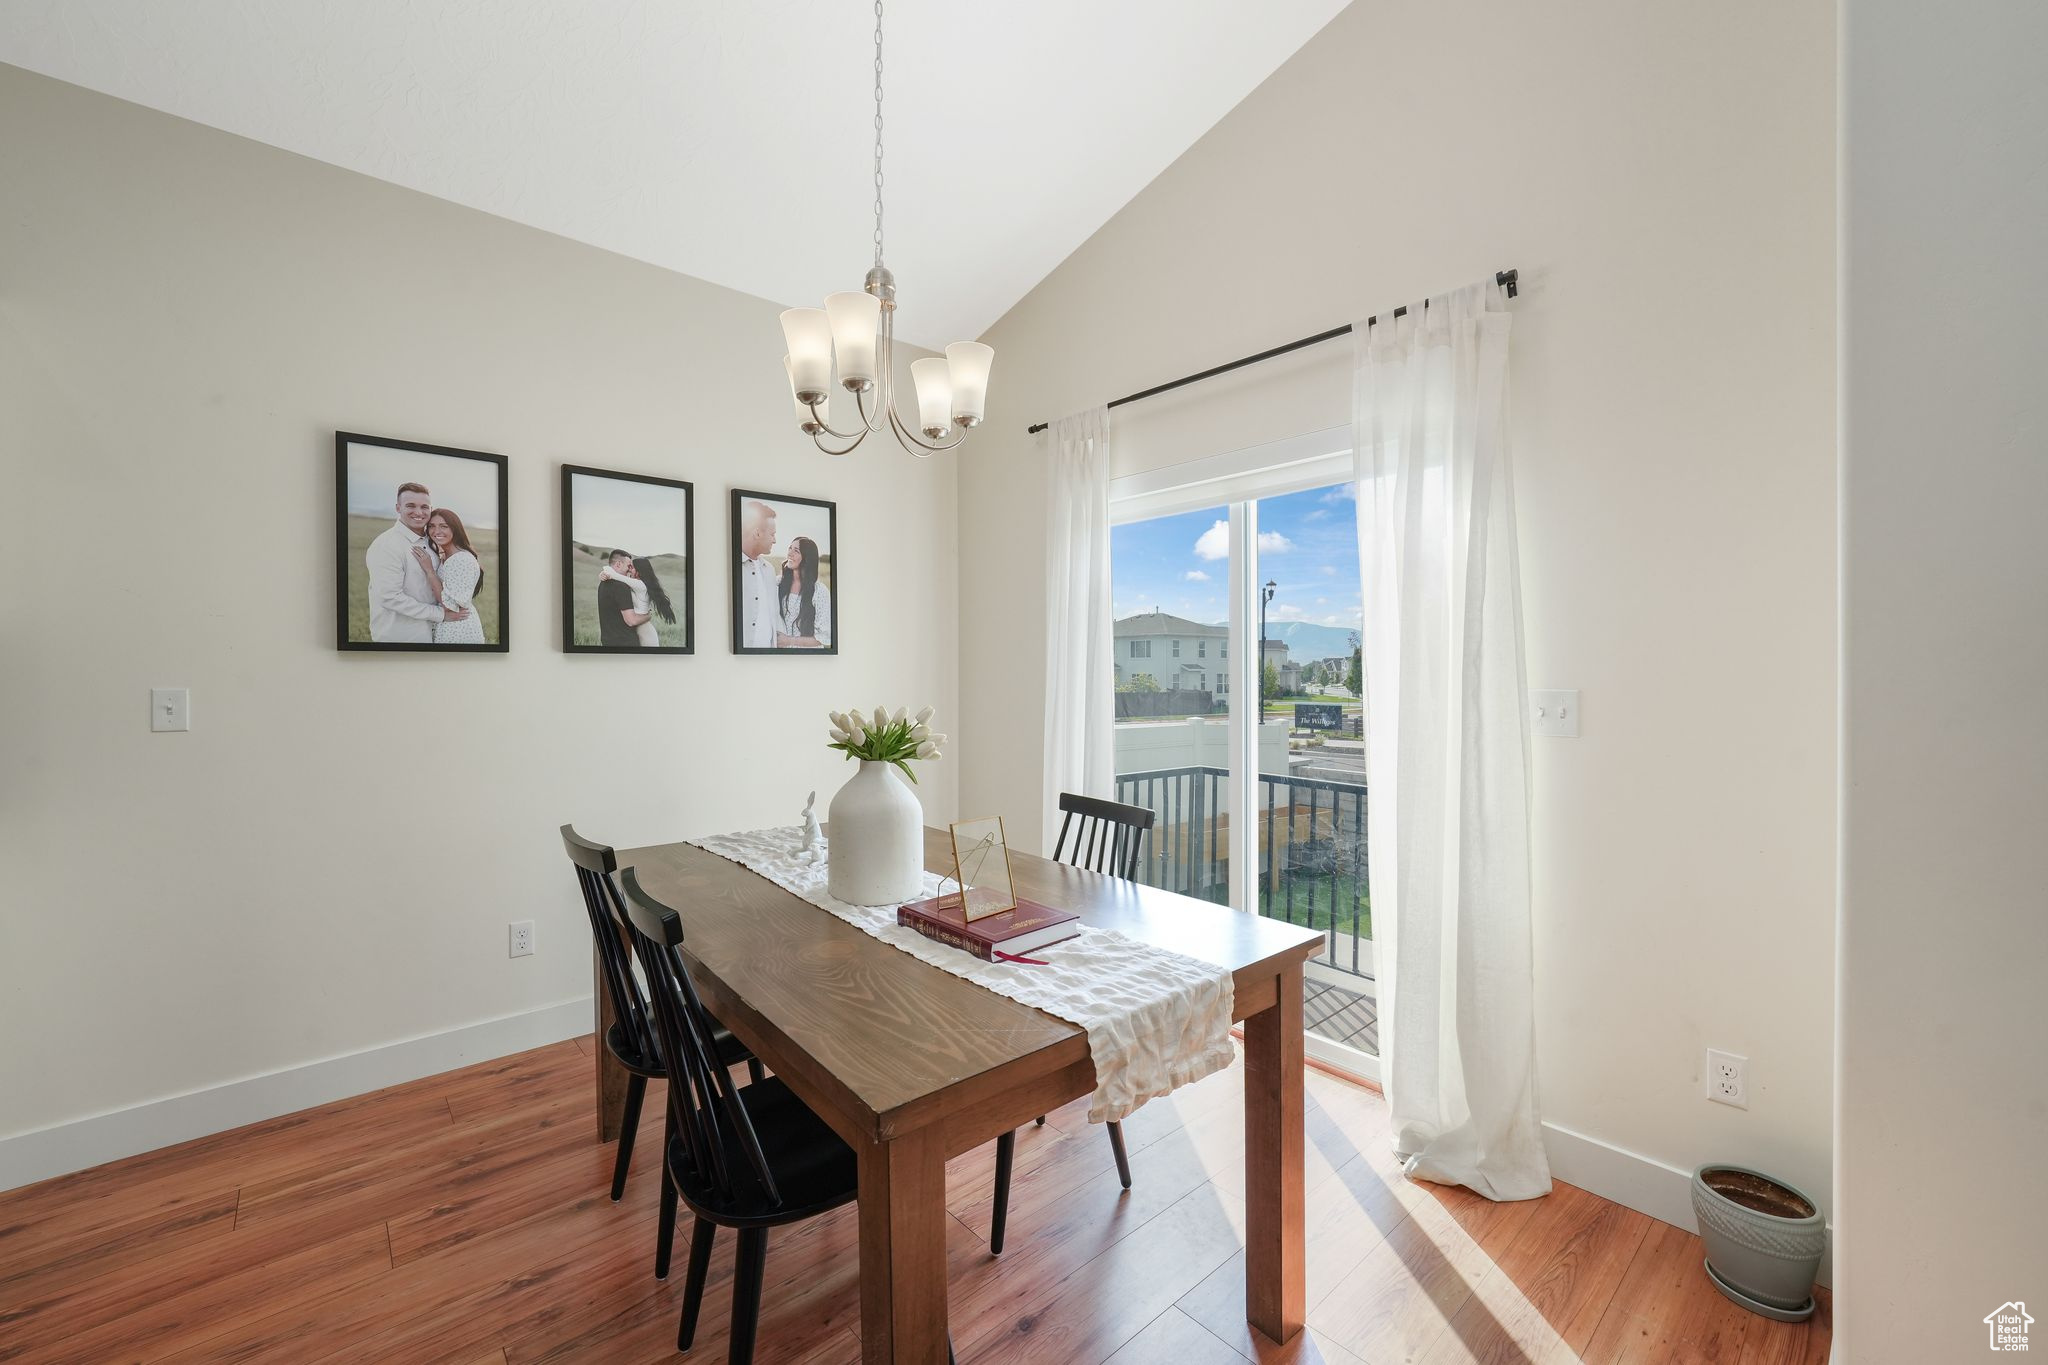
[1177, 652]
[1289, 672]
[1184, 654]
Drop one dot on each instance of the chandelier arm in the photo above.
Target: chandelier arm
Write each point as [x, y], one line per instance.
[878, 421]
[913, 443]
[851, 445]
[831, 430]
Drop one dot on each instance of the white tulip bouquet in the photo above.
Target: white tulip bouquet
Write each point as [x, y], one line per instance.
[885, 738]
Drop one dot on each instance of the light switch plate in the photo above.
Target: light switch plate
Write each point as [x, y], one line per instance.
[1555, 714]
[170, 708]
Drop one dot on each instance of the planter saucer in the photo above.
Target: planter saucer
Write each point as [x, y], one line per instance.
[1769, 1310]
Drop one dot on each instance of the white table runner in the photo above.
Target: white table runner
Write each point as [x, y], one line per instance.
[1156, 1019]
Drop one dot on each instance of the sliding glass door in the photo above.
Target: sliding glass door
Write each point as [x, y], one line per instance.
[1240, 719]
[1309, 798]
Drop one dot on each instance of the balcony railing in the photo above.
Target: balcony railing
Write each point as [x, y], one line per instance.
[1309, 838]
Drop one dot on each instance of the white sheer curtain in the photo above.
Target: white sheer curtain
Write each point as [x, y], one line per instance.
[1447, 758]
[1080, 683]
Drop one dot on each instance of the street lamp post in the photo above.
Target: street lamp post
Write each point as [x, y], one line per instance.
[1264, 598]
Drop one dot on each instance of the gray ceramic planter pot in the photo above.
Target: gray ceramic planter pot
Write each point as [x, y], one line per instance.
[1764, 1238]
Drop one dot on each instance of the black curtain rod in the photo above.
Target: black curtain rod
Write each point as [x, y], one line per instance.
[1504, 278]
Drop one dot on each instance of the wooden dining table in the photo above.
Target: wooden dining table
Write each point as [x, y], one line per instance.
[911, 1065]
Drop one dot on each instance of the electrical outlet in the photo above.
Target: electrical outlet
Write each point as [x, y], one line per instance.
[521, 939]
[1728, 1079]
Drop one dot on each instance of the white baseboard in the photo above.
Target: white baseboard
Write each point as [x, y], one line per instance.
[1639, 1182]
[65, 1147]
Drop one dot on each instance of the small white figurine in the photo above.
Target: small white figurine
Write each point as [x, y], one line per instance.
[813, 847]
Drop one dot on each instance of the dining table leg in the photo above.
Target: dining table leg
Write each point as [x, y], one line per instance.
[903, 1250]
[1275, 1257]
[611, 1077]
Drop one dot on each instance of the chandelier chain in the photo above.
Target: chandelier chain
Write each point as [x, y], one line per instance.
[878, 133]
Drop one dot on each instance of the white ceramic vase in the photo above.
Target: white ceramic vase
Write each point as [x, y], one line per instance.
[876, 855]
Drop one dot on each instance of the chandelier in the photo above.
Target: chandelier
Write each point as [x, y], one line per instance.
[854, 334]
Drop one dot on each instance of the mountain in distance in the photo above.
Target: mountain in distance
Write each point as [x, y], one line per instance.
[1306, 640]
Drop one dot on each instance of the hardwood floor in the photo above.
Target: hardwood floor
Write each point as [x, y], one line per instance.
[464, 1219]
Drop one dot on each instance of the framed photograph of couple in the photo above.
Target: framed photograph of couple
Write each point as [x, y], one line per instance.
[785, 574]
[628, 563]
[419, 534]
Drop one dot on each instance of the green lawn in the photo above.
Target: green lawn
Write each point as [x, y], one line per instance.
[1313, 897]
[363, 530]
[584, 567]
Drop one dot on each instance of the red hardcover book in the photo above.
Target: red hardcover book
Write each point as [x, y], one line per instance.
[1014, 933]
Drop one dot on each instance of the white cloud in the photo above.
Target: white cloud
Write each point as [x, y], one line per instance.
[1318, 514]
[1195, 576]
[1330, 570]
[1343, 492]
[1322, 601]
[1215, 543]
[1287, 611]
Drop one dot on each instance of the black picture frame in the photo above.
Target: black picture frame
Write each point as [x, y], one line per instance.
[350, 588]
[569, 548]
[735, 564]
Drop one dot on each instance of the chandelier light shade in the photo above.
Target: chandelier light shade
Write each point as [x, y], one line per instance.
[934, 396]
[967, 364]
[850, 344]
[805, 420]
[856, 337]
[809, 336]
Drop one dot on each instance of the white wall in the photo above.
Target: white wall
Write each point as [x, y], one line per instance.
[328, 861]
[1662, 176]
[1943, 1082]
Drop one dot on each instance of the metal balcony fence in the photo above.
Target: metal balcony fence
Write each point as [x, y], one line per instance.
[1309, 838]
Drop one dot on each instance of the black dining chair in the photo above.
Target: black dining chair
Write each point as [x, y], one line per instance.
[632, 1038]
[749, 1158]
[1110, 838]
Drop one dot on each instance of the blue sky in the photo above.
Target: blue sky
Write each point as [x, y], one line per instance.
[1180, 564]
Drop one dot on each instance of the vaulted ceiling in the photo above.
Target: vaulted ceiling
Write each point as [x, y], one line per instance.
[728, 141]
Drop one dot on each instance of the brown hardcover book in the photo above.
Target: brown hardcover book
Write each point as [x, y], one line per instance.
[1027, 928]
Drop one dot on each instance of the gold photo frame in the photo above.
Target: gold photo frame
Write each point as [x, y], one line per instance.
[981, 868]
